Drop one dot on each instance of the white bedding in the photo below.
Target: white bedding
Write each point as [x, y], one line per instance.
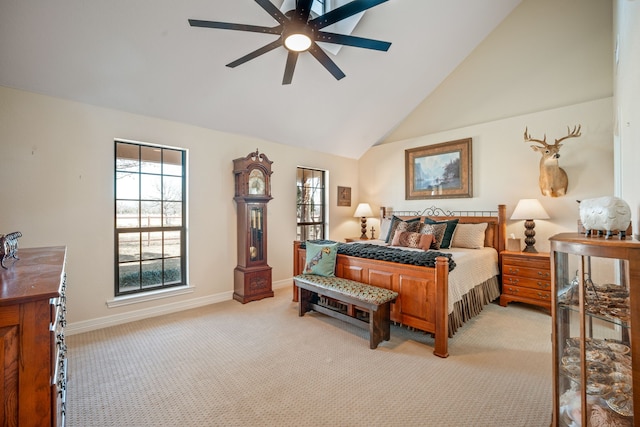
[473, 267]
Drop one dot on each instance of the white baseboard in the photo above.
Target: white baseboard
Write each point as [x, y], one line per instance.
[160, 309]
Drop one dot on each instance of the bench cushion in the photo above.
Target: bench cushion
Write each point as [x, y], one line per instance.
[362, 291]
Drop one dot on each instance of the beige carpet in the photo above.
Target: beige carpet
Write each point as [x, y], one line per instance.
[259, 364]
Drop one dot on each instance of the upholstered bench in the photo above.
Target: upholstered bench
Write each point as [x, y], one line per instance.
[355, 297]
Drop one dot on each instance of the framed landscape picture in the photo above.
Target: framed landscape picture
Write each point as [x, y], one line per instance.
[439, 171]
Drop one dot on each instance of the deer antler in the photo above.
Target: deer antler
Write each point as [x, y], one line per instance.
[571, 133]
[527, 138]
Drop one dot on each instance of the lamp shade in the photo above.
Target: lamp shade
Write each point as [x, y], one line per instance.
[363, 210]
[529, 209]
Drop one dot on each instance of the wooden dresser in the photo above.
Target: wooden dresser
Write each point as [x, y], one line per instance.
[32, 348]
[526, 277]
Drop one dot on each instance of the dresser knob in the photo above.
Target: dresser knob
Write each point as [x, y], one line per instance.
[544, 296]
[514, 270]
[513, 281]
[544, 285]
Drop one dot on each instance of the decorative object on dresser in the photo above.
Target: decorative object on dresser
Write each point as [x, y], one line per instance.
[9, 246]
[526, 277]
[439, 171]
[32, 321]
[363, 211]
[553, 179]
[610, 214]
[529, 209]
[595, 330]
[252, 275]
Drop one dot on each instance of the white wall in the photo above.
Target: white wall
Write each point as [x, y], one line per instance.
[506, 169]
[56, 166]
[546, 54]
[627, 106]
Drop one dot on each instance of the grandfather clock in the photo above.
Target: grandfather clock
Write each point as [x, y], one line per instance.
[252, 276]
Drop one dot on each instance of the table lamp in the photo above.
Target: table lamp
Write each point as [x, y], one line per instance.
[363, 211]
[529, 209]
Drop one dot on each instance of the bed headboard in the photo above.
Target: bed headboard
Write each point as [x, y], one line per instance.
[495, 234]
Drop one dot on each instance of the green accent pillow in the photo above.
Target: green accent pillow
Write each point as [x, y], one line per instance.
[321, 259]
[448, 232]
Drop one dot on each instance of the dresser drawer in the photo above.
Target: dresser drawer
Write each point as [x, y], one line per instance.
[527, 293]
[533, 273]
[539, 262]
[540, 284]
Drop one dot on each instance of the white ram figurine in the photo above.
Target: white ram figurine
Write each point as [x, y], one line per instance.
[605, 214]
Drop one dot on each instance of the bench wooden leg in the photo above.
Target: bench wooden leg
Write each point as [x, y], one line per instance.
[305, 298]
[379, 325]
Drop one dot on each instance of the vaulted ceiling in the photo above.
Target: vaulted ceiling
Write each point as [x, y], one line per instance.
[141, 56]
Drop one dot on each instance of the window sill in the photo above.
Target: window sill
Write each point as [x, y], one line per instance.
[149, 296]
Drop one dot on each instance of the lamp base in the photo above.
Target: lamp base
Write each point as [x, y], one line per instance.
[363, 228]
[529, 225]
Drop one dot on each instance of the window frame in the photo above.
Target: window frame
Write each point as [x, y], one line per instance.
[322, 222]
[163, 227]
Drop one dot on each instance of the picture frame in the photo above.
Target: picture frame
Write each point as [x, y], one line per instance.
[439, 171]
[344, 196]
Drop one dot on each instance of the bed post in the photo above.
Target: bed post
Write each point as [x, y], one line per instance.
[502, 227]
[297, 268]
[442, 307]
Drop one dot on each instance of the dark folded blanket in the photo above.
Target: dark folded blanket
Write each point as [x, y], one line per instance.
[384, 253]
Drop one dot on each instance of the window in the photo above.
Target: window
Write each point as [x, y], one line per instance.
[150, 206]
[310, 204]
[320, 7]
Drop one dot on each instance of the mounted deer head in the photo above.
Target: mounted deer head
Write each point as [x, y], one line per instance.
[553, 179]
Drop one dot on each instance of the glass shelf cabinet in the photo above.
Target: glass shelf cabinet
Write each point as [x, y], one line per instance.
[596, 330]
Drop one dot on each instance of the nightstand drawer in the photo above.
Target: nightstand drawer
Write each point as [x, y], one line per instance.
[541, 284]
[527, 293]
[533, 273]
[540, 261]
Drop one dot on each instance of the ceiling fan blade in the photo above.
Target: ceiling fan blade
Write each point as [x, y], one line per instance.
[255, 53]
[323, 36]
[303, 10]
[272, 10]
[292, 58]
[326, 62]
[239, 27]
[343, 12]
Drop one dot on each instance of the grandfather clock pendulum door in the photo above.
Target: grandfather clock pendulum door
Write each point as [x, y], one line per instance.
[252, 276]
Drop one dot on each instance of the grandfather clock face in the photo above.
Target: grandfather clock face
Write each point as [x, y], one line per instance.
[257, 183]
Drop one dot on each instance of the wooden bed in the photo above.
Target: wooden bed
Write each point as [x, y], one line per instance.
[423, 299]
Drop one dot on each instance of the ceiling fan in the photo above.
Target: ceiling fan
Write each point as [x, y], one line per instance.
[298, 33]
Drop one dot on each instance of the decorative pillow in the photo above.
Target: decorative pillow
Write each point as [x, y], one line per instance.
[448, 233]
[410, 239]
[385, 225]
[437, 230]
[469, 236]
[321, 259]
[395, 222]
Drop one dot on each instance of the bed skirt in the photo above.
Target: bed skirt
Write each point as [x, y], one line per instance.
[472, 303]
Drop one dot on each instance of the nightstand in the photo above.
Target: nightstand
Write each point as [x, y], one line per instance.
[526, 277]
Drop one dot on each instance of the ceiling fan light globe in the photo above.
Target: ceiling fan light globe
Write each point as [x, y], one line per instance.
[297, 42]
